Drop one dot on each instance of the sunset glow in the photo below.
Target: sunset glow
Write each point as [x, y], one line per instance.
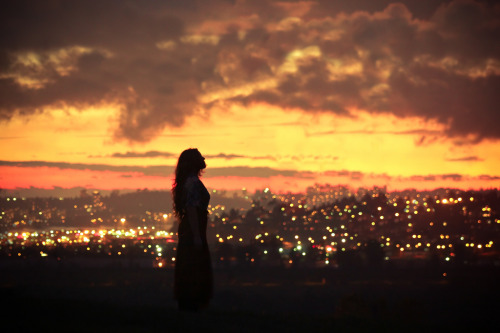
[282, 95]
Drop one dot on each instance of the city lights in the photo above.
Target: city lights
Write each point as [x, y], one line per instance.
[283, 234]
[269, 233]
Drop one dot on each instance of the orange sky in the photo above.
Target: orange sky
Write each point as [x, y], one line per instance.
[367, 95]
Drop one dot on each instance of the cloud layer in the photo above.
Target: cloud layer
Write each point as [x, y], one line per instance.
[49, 174]
[163, 61]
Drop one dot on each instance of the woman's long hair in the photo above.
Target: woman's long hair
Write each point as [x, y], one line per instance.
[190, 163]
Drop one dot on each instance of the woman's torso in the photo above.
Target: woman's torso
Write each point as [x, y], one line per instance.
[195, 195]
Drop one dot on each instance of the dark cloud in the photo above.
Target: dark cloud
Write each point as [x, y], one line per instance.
[428, 178]
[158, 170]
[263, 172]
[88, 52]
[488, 177]
[344, 173]
[161, 61]
[151, 153]
[421, 9]
[155, 153]
[467, 105]
[260, 172]
[421, 178]
[465, 159]
[454, 177]
[225, 156]
[423, 132]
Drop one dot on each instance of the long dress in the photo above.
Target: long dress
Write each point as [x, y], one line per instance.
[193, 280]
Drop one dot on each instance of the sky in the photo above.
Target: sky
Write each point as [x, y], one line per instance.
[277, 94]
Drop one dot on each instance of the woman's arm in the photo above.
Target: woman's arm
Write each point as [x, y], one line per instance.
[194, 224]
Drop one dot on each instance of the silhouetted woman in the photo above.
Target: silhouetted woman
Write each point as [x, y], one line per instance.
[193, 270]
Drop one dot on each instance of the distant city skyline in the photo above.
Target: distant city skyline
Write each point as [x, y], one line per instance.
[455, 226]
[275, 94]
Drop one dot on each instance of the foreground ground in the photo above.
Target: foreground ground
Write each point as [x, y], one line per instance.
[116, 299]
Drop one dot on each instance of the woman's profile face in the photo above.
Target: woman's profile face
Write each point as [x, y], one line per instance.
[203, 165]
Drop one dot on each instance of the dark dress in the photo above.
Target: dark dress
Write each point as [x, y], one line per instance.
[193, 269]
